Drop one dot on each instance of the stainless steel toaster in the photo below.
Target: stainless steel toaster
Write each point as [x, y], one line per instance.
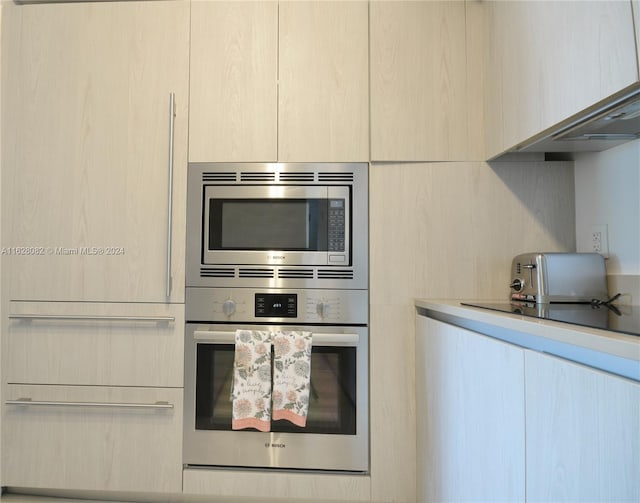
[558, 277]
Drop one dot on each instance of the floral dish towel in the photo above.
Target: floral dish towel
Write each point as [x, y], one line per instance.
[251, 392]
[291, 376]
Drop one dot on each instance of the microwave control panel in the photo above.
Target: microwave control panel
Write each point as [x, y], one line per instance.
[336, 227]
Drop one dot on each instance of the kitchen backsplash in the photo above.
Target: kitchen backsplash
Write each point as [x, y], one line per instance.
[626, 284]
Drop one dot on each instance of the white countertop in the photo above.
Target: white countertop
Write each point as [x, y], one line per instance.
[614, 352]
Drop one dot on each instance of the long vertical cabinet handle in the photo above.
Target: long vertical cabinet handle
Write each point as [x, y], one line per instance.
[172, 118]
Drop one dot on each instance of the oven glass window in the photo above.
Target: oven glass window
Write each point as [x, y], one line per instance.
[332, 399]
[275, 224]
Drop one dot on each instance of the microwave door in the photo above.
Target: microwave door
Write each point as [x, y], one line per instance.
[275, 225]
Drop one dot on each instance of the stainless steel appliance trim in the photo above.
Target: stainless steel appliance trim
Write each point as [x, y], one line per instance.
[47, 403]
[326, 274]
[318, 339]
[79, 317]
[172, 118]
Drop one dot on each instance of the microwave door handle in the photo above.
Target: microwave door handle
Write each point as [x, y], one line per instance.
[318, 339]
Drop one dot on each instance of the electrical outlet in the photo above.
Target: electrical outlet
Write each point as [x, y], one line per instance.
[600, 240]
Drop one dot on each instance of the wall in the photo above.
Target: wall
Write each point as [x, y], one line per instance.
[607, 188]
[444, 230]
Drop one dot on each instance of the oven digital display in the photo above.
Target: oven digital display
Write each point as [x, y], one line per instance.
[276, 305]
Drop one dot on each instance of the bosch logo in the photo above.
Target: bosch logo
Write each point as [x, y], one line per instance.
[279, 446]
[277, 257]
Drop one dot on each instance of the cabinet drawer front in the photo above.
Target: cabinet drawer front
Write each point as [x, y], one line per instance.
[121, 439]
[95, 344]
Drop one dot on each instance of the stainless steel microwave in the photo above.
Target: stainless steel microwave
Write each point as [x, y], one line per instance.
[277, 224]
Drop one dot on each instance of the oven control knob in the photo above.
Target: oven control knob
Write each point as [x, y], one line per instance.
[229, 307]
[517, 284]
[322, 308]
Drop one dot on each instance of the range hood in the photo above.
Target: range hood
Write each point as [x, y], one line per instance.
[606, 124]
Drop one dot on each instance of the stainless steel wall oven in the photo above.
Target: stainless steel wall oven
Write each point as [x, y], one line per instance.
[278, 247]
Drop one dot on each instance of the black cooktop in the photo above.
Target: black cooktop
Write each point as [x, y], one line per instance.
[623, 319]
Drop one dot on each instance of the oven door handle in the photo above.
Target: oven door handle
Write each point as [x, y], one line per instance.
[318, 339]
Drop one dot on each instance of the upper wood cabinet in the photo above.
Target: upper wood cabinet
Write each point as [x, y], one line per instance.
[279, 82]
[549, 60]
[324, 80]
[233, 112]
[86, 137]
[426, 81]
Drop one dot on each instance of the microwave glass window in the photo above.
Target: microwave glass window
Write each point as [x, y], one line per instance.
[276, 224]
[332, 399]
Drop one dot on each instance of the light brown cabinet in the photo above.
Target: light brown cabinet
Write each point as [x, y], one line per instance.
[86, 144]
[499, 422]
[233, 112]
[93, 210]
[549, 60]
[279, 82]
[583, 440]
[469, 414]
[323, 112]
[94, 344]
[426, 81]
[92, 438]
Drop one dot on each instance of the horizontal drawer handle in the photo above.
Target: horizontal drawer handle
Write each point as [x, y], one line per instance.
[29, 402]
[319, 339]
[80, 317]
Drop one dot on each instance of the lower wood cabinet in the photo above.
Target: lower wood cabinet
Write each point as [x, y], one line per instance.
[86, 343]
[498, 422]
[255, 485]
[92, 438]
[92, 396]
[470, 416]
[583, 433]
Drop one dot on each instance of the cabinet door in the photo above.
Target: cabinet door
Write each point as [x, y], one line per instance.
[85, 343]
[86, 126]
[93, 438]
[470, 415]
[234, 81]
[550, 60]
[419, 105]
[323, 73]
[583, 435]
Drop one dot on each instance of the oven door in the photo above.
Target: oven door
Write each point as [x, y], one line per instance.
[276, 225]
[337, 433]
